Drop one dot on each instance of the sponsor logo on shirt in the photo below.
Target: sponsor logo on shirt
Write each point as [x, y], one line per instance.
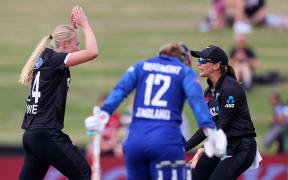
[214, 111]
[230, 102]
[38, 63]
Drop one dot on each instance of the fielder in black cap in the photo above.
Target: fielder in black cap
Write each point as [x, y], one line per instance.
[216, 55]
[213, 53]
[228, 106]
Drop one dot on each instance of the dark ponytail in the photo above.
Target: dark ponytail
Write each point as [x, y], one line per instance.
[228, 70]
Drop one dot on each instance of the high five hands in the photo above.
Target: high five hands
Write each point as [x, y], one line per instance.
[78, 17]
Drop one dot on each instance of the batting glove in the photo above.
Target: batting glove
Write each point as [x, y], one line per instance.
[92, 124]
[103, 117]
[96, 122]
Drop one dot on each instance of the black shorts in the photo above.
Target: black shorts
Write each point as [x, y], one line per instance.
[45, 147]
[250, 11]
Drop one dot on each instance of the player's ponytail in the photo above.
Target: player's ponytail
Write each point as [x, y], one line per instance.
[27, 70]
[228, 70]
[62, 32]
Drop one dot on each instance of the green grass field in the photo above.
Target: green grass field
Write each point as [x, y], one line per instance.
[127, 31]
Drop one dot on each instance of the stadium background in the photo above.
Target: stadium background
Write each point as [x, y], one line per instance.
[127, 31]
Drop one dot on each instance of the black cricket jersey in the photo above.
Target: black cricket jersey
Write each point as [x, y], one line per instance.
[228, 108]
[47, 100]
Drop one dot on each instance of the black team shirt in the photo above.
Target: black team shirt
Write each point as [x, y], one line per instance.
[228, 108]
[47, 100]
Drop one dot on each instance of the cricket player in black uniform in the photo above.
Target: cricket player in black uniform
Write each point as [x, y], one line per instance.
[47, 69]
[228, 107]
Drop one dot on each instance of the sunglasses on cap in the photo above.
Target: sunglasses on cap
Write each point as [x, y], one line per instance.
[204, 61]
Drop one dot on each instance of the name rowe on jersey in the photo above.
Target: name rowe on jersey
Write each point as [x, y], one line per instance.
[32, 108]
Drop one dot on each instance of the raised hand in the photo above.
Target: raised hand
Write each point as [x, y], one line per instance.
[79, 16]
[72, 20]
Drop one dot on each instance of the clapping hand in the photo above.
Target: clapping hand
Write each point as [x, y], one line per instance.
[78, 17]
[72, 20]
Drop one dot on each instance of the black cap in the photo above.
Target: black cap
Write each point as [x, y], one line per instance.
[212, 52]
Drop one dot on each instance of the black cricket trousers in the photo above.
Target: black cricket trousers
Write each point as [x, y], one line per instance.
[45, 147]
[240, 155]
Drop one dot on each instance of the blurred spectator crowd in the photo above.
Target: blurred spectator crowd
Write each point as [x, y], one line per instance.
[278, 130]
[243, 16]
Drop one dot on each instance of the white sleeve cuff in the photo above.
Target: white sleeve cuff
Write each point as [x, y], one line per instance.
[66, 58]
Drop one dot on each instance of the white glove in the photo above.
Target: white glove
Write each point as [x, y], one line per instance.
[98, 121]
[216, 144]
[92, 123]
[103, 117]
